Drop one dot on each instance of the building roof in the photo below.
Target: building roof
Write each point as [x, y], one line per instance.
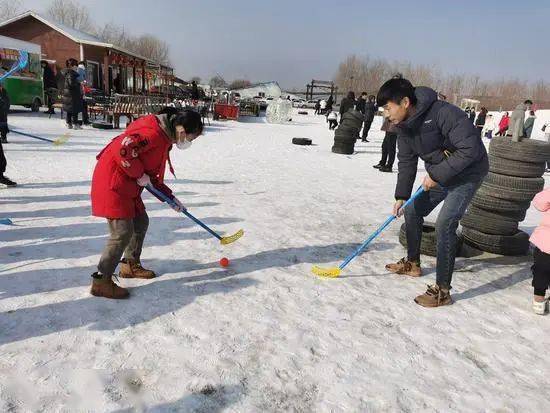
[11, 43]
[76, 36]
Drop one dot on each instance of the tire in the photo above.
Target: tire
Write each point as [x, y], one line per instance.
[102, 125]
[512, 188]
[489, 225]
[428, 245]
[514, 216]
[528, 150]
[343, 149]
[216, 116]
[36, 103]
[484, 199]
[301, 141]
[343, 136]
[516, 168]
[350, 130]
[517, 244]
[303, 112]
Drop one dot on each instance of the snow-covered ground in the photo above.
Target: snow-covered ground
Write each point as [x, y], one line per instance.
[265, 334]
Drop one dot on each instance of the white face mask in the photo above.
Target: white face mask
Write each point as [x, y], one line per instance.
[184, 145]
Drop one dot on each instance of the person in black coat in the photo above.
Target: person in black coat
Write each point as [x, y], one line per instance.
[4, 109]
[330, 103]
[456, 163]
[194, 90]
[72, 94]
[370, 111]
[472, 115]
[347, 103]
[360, 105]
[50, 86]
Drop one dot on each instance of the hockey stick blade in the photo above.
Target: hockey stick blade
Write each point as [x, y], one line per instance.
[232, 238]
[331, 272]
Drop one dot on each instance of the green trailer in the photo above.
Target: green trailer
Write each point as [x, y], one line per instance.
[25, 87]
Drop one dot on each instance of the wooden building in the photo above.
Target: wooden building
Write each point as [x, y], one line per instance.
[109, 67]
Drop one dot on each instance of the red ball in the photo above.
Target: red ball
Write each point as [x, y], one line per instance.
[224, 262]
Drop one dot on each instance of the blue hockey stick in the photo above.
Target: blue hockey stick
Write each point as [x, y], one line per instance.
[224, 240]
[335, 271]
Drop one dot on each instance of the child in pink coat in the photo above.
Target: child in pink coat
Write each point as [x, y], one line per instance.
[541, 240]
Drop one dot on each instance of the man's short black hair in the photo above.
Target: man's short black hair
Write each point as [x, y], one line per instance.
[528, 102]
[394, 90]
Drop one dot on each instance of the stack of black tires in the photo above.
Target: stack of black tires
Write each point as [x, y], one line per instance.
[347, 132]
[515, 177]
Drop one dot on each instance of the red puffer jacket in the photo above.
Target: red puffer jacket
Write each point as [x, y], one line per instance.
[142, 148]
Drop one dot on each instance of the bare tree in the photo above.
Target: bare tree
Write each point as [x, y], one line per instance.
[196, 79]
[71, 13]
[10, 8]
[218, 82]
[239, 84]
[151, 47]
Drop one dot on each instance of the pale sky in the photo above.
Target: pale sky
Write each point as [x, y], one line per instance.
[295, 41]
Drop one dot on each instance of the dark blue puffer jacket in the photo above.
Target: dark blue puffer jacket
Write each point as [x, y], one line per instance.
[444, 138]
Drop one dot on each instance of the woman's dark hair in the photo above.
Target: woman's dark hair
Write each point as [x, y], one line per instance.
[71, 62]
[532, 113]
[394, 90]
[190, 119]
[351, 95]
[484, 110]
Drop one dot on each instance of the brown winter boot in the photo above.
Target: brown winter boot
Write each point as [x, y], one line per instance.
[434, 297]
[105, 287]
[405, 267]
[132, 269]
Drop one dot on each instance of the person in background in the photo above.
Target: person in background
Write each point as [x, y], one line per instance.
[50, 86]
[541, 256]
[472, 115]
[503, 124]
[323, 106]
[529, 123]
[332, 119]
[546, 130]
[330, 103]
[84, 87]
[489, 127]
[4, 109]
[480, 121]
[370, 111]
[361, 102]
[317, 107]
[194, 90]
[517, 120]
[72, 94]
[347, 103]
[389, 145]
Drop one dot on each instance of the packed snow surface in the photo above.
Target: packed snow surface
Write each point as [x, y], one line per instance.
[264, 334]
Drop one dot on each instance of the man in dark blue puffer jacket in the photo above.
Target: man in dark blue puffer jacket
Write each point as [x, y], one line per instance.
[456, 163]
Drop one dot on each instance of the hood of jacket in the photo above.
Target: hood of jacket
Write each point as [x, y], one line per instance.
[425, 98]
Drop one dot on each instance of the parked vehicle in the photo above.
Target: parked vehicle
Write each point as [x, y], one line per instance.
[24, 88]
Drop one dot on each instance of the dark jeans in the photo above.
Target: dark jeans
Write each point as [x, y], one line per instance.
[457, 198]
[72, 118]
[50, 94]
[541, 272]
[3, 162]
[388, 149]
[126, 236]
[366, 127]
[85, 117]
[332, 124]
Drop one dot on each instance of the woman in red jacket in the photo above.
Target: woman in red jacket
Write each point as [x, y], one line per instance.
[503, 125]
[132, 160]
